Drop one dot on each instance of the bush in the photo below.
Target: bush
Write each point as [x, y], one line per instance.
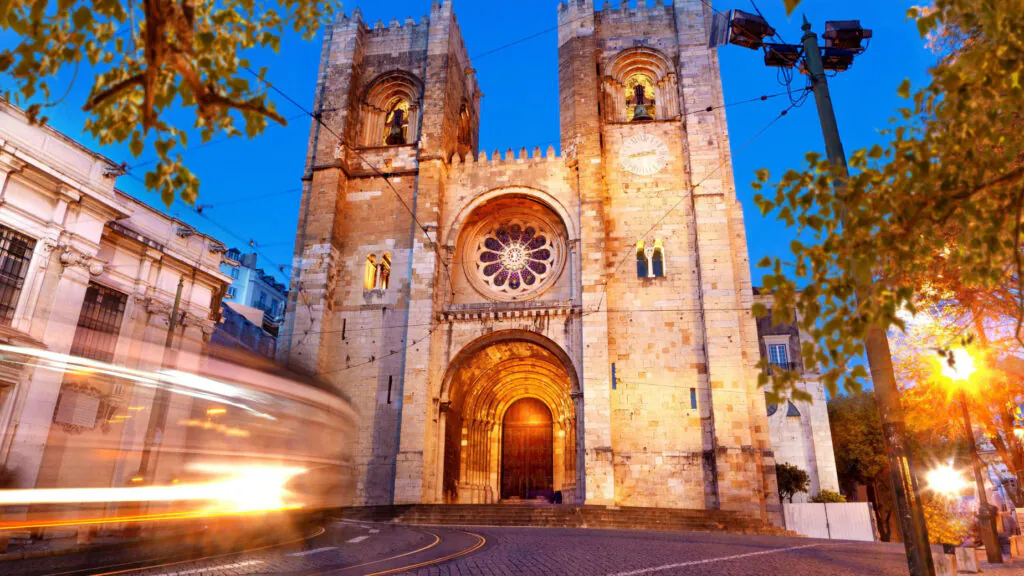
[828, 497]
[791, 480]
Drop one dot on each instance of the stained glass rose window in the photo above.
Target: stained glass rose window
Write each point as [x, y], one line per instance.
[514, 258]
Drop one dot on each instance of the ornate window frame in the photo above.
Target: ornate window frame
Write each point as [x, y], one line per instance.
[646, 62]
[486, 255]
[382, 96]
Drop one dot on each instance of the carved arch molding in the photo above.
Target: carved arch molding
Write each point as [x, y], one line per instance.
[640, 61]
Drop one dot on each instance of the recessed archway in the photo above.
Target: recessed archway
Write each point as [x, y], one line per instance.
[502, 380]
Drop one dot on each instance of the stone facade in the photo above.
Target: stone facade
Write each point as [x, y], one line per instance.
[800, 430]
[611, 282]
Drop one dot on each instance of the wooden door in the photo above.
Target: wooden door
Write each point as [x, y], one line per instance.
[527, 461]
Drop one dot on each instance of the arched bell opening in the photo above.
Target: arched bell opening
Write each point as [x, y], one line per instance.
[509, 425]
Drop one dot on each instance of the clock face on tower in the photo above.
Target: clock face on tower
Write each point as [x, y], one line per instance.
[644, 155]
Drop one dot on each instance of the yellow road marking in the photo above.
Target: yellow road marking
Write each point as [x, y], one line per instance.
[269, 546]
[480, 544]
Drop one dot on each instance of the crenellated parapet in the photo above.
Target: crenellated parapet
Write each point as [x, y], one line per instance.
[510, 157]
[626, 9]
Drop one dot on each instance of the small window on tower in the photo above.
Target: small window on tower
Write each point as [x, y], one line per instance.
[384, 271]
[396, 126]
[778, 355]
[640, 98]
[658, 260]
[370, 273]
[641, 260]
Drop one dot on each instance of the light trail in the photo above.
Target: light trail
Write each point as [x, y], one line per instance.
[240, 490]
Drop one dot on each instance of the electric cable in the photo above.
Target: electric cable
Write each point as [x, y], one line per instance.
[317, 117]
[693, 189]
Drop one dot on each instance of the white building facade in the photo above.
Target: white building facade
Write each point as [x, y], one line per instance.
[800, 431]
[89, 271]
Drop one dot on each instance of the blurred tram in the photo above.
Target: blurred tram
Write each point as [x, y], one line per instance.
[185, 438]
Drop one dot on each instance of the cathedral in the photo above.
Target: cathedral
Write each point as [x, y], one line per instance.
[567, 325]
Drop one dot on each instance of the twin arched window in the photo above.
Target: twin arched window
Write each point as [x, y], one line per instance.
[650, 260]
[377, 274]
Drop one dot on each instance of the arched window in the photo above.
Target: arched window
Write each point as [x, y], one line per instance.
[640, 85]
[391, 110]
[640, 98]
[658, 260]
[650, 260]
[396, 124]
[384, 272]
[641, 260]
[370, 273]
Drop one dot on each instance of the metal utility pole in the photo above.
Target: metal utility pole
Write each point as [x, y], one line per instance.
[986, 520]
[161, 398]
[904, 484]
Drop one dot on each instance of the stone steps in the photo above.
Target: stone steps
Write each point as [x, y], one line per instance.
[563, 516]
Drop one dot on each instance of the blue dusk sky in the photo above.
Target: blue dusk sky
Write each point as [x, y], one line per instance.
[252, 185]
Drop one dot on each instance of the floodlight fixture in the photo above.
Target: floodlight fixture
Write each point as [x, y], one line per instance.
[749, 30]
[845, 35]
[837, 59]
[782, 55]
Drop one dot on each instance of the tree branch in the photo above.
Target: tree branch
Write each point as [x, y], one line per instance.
[1020, 266]
[116, 89]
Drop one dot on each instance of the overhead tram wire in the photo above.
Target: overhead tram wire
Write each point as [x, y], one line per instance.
[432, 324]
[212, 142]
[435, 325]
[316, 117]
[246, 242]
[631, 252]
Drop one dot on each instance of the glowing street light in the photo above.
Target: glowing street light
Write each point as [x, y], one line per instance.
[945, 480]
[959, 368]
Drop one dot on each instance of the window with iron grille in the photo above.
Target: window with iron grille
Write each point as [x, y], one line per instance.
[99, 323]
[15, 255]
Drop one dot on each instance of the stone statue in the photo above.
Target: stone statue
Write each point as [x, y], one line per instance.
[395, 135]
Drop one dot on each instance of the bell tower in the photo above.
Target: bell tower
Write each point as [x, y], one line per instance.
[395, 102]
[674, 414]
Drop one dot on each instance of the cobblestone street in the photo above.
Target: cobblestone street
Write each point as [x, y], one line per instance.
[345, 549]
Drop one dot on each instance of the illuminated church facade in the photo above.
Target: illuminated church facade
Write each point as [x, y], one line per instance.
[572, 326]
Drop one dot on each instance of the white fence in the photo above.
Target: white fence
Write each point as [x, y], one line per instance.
[846, 521]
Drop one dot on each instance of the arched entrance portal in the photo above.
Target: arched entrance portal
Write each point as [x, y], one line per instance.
[508, 417]
[527, 454]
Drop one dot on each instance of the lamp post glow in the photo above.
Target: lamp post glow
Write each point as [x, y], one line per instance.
[958, 369]
[962, 367]
[947, 481]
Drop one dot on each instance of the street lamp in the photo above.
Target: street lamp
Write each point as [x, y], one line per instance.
[958, 367]
[947, 481]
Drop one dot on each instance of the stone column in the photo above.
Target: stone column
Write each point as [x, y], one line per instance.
[43, 389]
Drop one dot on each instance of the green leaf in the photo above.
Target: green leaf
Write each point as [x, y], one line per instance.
[82, 17]
[904, 89]
[136, 145]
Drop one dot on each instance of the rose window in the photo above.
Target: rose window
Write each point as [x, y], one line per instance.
[514, 258]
